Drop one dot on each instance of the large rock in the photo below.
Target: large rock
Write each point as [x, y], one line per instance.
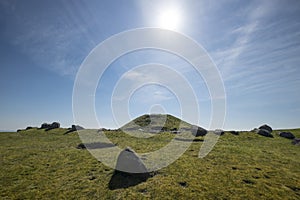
[234, 132]
[296, 141]
[264, 132]
[129, 171]
[287, 135]
[45, 125]
[129, 161]
[198, 131]
[50, 126]
[266, 127]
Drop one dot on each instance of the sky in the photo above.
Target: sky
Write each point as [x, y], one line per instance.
[255, 46]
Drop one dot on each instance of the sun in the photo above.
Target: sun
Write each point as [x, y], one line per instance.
[169, 19]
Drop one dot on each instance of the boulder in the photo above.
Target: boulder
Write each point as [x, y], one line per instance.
[129, 161]
[287, 135]
[50, 126]
[76, 128]
[296, 141]
[45, 125]
[234, 132]
[264, 132]
[28, 127]
[198, 131]
[130, 171]
[266, 127]
[55, 125]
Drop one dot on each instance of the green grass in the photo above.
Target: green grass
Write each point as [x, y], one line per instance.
[36, 164]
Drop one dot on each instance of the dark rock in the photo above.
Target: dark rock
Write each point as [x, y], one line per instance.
[19, 130]
[287, 135]
[45, 125]
[183, 184]
[198, 131]
[296, 141]
[264, 132]
[74, 128]
[129, 171]
[234, 132]
[53, 126]
[266, 127]
[28, 127]
[81, 146]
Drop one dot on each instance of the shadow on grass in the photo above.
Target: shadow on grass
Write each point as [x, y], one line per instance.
[190, 140]
[96, 145]
[124, 180]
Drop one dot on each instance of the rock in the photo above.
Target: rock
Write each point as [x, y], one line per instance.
[264, 132]
[234, 132]
[130, 171]
[53, 126]
[28, 127]
[81, 146]
[198, 131]
[76, 128]
[296, 141]
[219, 132]
[287, 135]
[129, 161]
[19, 130]
[45, 125]
[266, 127]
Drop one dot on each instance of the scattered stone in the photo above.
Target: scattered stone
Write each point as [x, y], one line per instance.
[296, 141]
[266, 127]
[287, 135]
[264, 132]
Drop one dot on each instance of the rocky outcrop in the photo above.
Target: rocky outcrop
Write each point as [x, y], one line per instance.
[265, 130]
[265, 133]
[266, 127]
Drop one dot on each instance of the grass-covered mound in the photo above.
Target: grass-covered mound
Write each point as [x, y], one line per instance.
[47, 165]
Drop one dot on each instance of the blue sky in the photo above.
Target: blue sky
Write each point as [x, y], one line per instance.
[254, 44]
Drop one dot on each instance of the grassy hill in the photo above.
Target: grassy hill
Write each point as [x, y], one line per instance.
[47, 165]
[165, 122]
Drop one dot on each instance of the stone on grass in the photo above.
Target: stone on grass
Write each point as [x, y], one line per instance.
[266, 127]
[129, 161]
[234, 132]
[287, 135]
[264, 132]
[198, 131]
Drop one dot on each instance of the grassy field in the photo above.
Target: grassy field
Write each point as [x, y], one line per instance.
[38, 164]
